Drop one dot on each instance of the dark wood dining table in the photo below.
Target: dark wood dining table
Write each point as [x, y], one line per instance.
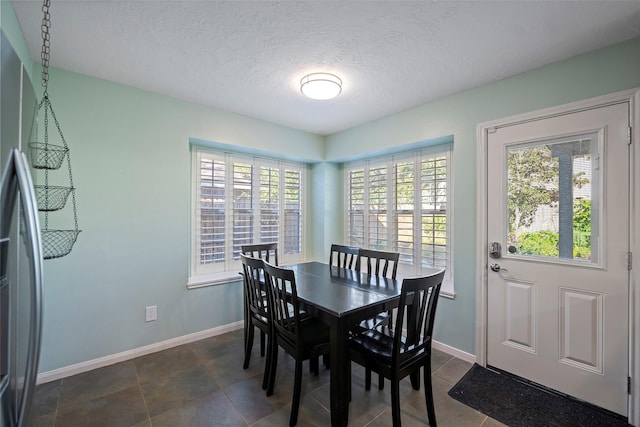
[341, 298]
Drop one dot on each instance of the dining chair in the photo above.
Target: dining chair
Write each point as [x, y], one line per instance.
[256, 313]
[380, 264]
[266, 251]
[394, 356]
[345, 256]
[304, 338]
[375, 260]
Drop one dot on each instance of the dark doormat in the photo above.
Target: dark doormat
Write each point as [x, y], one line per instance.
[516, 403]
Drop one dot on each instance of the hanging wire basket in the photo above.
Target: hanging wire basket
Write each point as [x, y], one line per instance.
[47, 156]
[58, 243]
[51, 198]
[55, 243]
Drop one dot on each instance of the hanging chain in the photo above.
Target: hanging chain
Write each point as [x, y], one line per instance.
[46, 156]
[44, 57]
[46, 43]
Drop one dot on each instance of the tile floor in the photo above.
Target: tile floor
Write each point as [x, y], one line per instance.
[203, 384]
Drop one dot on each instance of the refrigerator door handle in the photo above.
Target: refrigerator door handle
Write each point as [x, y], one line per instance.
[16, 176]
[34, 248]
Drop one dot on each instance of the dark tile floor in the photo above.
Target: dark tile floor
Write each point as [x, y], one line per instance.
[203, 384]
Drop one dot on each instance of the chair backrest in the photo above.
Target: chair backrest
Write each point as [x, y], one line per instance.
[283, 299]
[266, 251]
[345, 256]
[419, 299]
[253, 272]
[376, 259]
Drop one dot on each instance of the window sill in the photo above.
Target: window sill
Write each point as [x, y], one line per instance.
[203, 281]
[447, 290]
[447, 294]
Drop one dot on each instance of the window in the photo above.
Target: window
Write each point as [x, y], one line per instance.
[402, 203]
[239, 200]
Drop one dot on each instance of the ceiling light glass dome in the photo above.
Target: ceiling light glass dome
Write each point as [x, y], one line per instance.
[321, 86]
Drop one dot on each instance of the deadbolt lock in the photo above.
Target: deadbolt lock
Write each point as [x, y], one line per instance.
[495, 250]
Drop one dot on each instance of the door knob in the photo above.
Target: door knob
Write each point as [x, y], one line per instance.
[496, 267]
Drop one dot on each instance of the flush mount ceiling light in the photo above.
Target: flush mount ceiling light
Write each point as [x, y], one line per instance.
[321, 86]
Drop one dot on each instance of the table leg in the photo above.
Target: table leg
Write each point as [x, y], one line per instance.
[339, 383]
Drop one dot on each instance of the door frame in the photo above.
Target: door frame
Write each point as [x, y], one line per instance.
[633, 97]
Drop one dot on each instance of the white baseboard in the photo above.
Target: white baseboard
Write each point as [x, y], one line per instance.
[468, 357]
[100, 362]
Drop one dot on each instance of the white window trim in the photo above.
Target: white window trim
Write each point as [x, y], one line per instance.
[198, 279]
[447, 289]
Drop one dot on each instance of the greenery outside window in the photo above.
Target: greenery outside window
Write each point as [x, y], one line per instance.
[239, 200]
[402, 203]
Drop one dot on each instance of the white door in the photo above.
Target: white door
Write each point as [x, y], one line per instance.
[558, 209]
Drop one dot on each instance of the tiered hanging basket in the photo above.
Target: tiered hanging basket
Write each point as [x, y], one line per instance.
[56, 243]
[47, 156]
[51, 198]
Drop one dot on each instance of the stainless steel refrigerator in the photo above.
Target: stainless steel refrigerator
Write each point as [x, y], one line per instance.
[20, 246]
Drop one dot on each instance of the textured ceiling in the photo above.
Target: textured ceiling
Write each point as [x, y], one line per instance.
[248, 57]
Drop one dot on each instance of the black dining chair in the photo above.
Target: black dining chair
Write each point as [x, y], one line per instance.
[266, 251]
[380, 264]
[303, 337]
[394, 356]
[343, 256]
[256, 313]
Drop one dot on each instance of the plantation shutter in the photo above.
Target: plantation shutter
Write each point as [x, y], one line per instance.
[401, 204]
[240, 200]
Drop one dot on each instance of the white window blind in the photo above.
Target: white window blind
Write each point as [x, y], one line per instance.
[293, 212]
[401, 203]
[378, 226]
[241, 200]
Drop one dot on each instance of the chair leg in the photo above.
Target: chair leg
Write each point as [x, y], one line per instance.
[248, 346]
[415, 379]
[367, 379]
[297, 389]
[314, 366]
[428, 395]
[349, 379]
[395, 402]
[380, 382]
[326, 360]
[267, 363]
[273, 368]
[262, 336]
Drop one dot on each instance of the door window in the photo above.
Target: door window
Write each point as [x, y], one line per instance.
[553, 199]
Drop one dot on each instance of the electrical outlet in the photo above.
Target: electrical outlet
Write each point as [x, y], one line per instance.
[151, 313]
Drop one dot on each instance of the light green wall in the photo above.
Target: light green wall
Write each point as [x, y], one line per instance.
[131, 163]
[326, 209]
[604, 71]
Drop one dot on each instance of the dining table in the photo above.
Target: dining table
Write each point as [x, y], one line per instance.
[342, 298]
